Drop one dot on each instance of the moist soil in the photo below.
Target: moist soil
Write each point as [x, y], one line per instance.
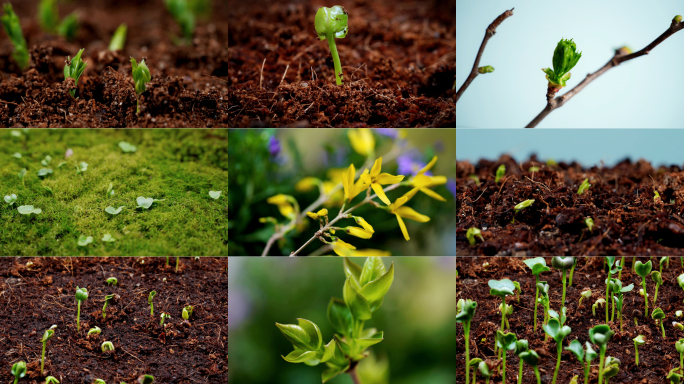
[627, 218]
[35, 297]
[188, 86]
[398, 62]
[656, 357]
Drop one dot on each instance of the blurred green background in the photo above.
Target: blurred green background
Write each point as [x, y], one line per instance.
[264, 163]
[417, 318]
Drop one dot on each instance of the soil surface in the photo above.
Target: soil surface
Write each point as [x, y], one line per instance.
[188, 87]
[627, 218]
[398, 61]
[656, 357]
[35, 297]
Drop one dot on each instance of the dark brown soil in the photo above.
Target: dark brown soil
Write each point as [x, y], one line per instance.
[34, 297]
[398, 61]
[656, 357]
[620, 201]
[188, 87]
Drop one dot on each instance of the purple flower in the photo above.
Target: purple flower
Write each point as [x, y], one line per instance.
[389, 132]
[273, 146]
[69, 153]
[410, 163]
[451, 186]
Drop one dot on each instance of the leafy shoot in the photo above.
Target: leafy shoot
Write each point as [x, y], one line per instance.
[331, 23]
[500, 172]
[149, 301]
[12, 26]
[118, 39]
[107, 346]
[74, 69]
[28, 209]
[10, 199]
[107, 238]
[215, 194]
[471, 233]
[83, 240]
[141, 76]
[94, 331]
[112, 281]
[127, 147]
[113, 211]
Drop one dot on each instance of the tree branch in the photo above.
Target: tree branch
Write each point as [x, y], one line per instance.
[618, 58]
[491, 30]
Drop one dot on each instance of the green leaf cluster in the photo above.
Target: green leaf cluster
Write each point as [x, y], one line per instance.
[141, 76]
[565, 57]
[184, 14]
[74, 69]
[12, 26]
[363, 293]
[48, 18]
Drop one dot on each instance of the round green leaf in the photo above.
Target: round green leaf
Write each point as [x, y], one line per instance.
[501, 288]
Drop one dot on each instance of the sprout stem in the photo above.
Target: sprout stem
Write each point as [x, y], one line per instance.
[466, 334]
[503, 374]
[536, 300]
[572, 270]
[563, 299]
[336, 57]
[559, 347]
[520, 374]
[600, 367]
[636, 354]
[42, 359]
[78, 316]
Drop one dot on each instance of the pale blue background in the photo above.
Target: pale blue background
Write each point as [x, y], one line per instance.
[586, 146]
[644, 92]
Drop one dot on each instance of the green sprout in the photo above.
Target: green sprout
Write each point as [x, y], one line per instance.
[187, 312]
[46, 336]
[81, 296]
[127, 147]
[643, 270]
[679, 345]
[611, 368]
[577, 350]
[584, 295]
[616, 287]
[21, 174]
[639, 340]
[118, 39]
[658, 279]
[183, 15]
[485, 371]
[520, 206]
[475, 178]
[501, 288]
[18, 371]
[107, 346]
[656, 197]
[509, 311]
[51, 380]
[678, 326]
[74, 69]
[215, 194]
[521, 346]
[149, 300]
[474, 363]
[583, 187]
[533, 169]
[94, 331]
[112, 281]
[146, 379]
[505, 342]
[331, 23]
[141, 76]
[674, 377]
[596, 305]
[543, 287]
[82, 167]
[563, 263]
[99, 381]
[465, 316]
[500, 172]
[44, 172]
[659, 315]
[537, 265]
[28, 209]
[68, 27]
[610, 260]
[601, 335]
[84, 241]
[680, 281]
[164, 316]
[565, 57]
[113, 211]
[106, 301]
[471, 233]
[486, 69]
[531, 357]
[48, 16]
[557, 333]
[589, 222]
[146, 203]
[11, 199]
[12, 27]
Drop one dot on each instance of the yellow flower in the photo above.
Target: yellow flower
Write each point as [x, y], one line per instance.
[312, 215]
[398, 210]
[377, 179]
[337, 198]
[362, 141]
[283, 204]
[341, 248]
[351, 189]
[423, 182]
[306, 184]
[322, 212]
[358, 232]
[360, 220]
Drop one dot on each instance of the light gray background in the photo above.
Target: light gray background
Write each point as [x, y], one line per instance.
[644, 92]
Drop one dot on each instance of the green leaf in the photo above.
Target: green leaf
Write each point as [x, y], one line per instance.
[328, 351]
[299, 356]
[340, 316]
[345, 348]
[577, 350]
[329, 374]
[601, 334]
[331, 21]
[506, 340]
[373, 268]
[297, 335]
[83, 240]
[113, 211]
[313, 332]
[107, 238]
[375, 290]
[643, 269]
[367, 342]
[352, 269]
[28, 209]
[501, 288]
[127, 147]
[215, 194]
[358, 305]
[118, 39]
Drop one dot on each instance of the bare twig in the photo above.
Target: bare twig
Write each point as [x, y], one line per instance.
[491, 30]
[281, 80]
[618, 58]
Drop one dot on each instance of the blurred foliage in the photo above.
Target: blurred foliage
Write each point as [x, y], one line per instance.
[417, 318]
[255, 174]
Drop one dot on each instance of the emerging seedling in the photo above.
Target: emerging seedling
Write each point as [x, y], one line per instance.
[465, 316]
[127, 147]
[563, 263]
[565, 57]
[94, 331]
[505, 342]
[44, 172]
[10, 199]
[113, 211]
[601, 335]
[557, 333]
[659, 315]
[215, 194]
[473, 364]
[183, 15]
[21, 174]
[12, 26]
[658, 279]
[500, 172]
[74, 69]
[68, 27]
[28, 209]
[164, 316]
[610, 260]
[46, 336]
[141, 76]
[520, 347]
[331, 23]
[112, 281]
[611, 369]
[110, 191]
[149, 301]
[520, 206]
[82, 167]
[589, 222]
[106, 301]
[583, 187]
[99, 381]
[187, 312]
[596, 305]
[146, 203]
[81, 296]
[118, 39]
[146, 379]
[531, 358]
[51, 380]
[674, 377]
[643, 270]
[639, 340]
[107, 346]
[616, 287]
[485, 371]
[584, 295]
[576, 349]
[537, 265]
[471, 233]
[543, 288]
[107, 238]
[501, 288]
[679, 345]
[18, 371]
[84, 241]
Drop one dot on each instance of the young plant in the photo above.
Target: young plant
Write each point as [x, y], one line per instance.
[12, 26]
[674, 377]
[146, 203]
[118, 39]
[363, 294]
[11, 199]
[46, 336]
[643, 270]
[149, 301]
[107, 238]
[21, 174]
[84, 241]
[520, 347]
[659, 315]
[465, 316]
[658, 280]
[505, 342]
[531, 358]
[679, 345]
[557, 333]
[107, 346]
[215, 194]
[112, 281]
[639, 340]
[18, 370]
[145, 379]
[471, 233]
[537, 265]
[543, 288]
[596, 305]
[81, 167]
[616, 287]
[113, 211]
[187, 312]
[485, 371]
[141, 76]
[501, 288]
[474, 363]
[44, 172]
[520, 206]
[74, 69]
[583, 187]
[28, 209]
[94, 331]
[127, 147]
[584, 295]
[51, 380]
[572, 270]
[611, 368]
[565, 57]
[184, 17]
[81, 296]
[106, 301]
[163, 317]
[509, 311]
[601, 335]
[500, 173]
[610, 260]
[331, 23]
[584, 358]
[99, 381]
[563, 263]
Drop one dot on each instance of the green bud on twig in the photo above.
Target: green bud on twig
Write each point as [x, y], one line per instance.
[677, 19]
[486, 69]
[565, 57]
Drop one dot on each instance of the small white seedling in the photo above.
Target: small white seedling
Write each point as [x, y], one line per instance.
[83, 241]
[146, 202]
[11, 199]
[127, 147]
[15, 133]
[61, 163]
[108, 238]
[110, 191]
[47, 160]
[17, 155]
[44, 172]
[82, 167]
[215, 194]
[28, 209]
[113, 211]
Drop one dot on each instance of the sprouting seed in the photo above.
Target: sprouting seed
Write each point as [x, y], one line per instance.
[94, 331]
[589, 222]
[500, 172]
[164, 316]
[99, 381]
[149, 301]
[110, 191]
[215, 194]
[112, 281]
[107, 299]
[118, 39]
[107, 238]
[107, 346]
[68, 28]
[74, 69]
[187, 312]
[47, 160]
[146, 202]
[81, 296]
[12, 26]
[51, 380]
[475, 178]
[583, 187]
[146, 379]
[48, 189]
[18, 370]
[141, 76]
[656, 197]
[46, 336]
[113, 211]
[534, 169]
[523, 205]
[331, 23]
[44, 172]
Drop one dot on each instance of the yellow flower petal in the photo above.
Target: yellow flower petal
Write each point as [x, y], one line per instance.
[428, 166]
[277, 199]
[358, 232]
[348, 180]
[381, 194]
[362, 222]
[403, 228]
[398, 203]
[377, 167]
[306, 184]
[437, 180]
[322, 212]
[312, 215]
[432, 194]
[421, 181]
[362, 140]
[386, 178]
[286, 209]
[341, 248]
[409, 213]
[370, 252]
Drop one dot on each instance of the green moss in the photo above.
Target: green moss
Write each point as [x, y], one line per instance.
[180, 166]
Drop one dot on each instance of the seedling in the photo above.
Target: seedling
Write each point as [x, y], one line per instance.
[639, 340]
[44, 172]
[563, 263]
[520, 347]
[520, 206]
[81, 296]
[112, 281]
[107, 346]
[82, 167]
[184, 17]
[28, 209]
[17, 155]
[74, 69]
[659, 315]
[118, 39]
[146, 203]
[146, 379]
[141, 76]
[46, 336]
[572, 270]
[107, 238]
[589, 222]
[509, 311]
[10, 199]
[500, 172]
[465, 316]
[501, 288]
[531, 358]
[18, 371]
[557, 333]
[68, 27]
[679, 345]
[187, 312]
[471, 233]
[537, 265]
[99, 381]
[149, 301]
[113, 211]
[110, 191]
[611, 369]
[543, 288]
[215, 194]
[674, 377]
[12, 26]
[474, 363]
[565, 57]
[610, 260]
[584, 359]
[21, 174]
[485, 371]
[127, 147]
[331, 23]
[643, 270]
[616, 287]
[583, 187]
[164, 316]
[475, 178]
[84, 241]
[505, 342]
[46, 161]
[106, 301]
[678, 326]
[584, 295]
[51, 380]
[94, 331]
[656, 197]
[601, 335]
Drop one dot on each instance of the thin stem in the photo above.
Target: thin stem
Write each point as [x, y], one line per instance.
[600, 367]
[622, 263]
[336, 57]
[608, 292]
[586, 373]
[503, 374]
[536, 299]
[572, 270]
[661, 327]
[643, 284]
[520, 374]
[559, 347]
[563, 299]
[636, 354]
[681, 362]
[42, 359]
[655, 296]
[354, 376]
[536, 373]
[78, 316]
[466, 329]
